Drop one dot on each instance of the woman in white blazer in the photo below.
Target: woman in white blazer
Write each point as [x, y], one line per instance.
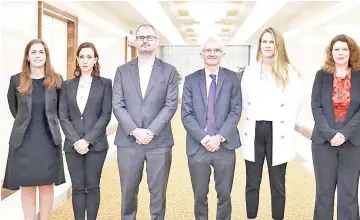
[271, 98]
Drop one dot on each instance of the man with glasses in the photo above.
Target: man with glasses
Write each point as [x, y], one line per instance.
[145, 98]
[210, 112]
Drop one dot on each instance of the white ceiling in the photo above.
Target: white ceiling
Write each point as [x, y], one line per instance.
[291, 16]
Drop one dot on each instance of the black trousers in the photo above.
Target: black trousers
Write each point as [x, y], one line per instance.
[85, 172]
[336, 167]
[263, 148]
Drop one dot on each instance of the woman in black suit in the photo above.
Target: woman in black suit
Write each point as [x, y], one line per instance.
[85, 112]
[335, 103]
[35, 157]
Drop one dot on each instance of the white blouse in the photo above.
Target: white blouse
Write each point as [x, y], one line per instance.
[83, 93]
[265, 101]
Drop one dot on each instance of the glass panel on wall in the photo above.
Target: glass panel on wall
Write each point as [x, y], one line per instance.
[55, 35]
[187, 58]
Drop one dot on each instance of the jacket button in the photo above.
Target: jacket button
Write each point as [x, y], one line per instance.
[245, 134]
[282, 105]
[247, 118]
[248, 103]
[82, 118]
[282, 136]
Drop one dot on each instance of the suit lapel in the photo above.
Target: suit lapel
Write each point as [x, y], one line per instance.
[93, 90]
[221, 77]
[202, 82]
[73, 92]
[328, 89]
[155, 73]
[354, 95]
[29, 101]
[134, 69]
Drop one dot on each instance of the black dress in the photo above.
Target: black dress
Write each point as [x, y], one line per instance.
[37, 161]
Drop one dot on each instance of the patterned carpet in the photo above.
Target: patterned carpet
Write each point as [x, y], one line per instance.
[300, 187]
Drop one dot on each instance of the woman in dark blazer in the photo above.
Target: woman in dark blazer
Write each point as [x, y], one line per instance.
[35, 157]
[85, 112]
[335, 103]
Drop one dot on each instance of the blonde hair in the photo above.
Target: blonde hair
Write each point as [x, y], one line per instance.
[281, 62]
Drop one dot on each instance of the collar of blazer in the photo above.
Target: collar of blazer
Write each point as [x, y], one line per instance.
[254, 70]
[96, 82]
[202, 81]
[327, 83]
[155, 73]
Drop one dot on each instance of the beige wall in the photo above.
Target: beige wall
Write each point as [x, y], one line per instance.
[15, 33]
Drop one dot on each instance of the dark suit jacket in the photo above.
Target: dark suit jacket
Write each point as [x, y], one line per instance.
[325, 126]
[20, 107]
[227, 109]
[91, 124]
[154, 111]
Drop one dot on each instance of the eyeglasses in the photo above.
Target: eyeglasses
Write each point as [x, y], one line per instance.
[148, 38]
[209, 50]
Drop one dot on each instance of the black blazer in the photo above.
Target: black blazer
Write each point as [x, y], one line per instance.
[323, 111]
[20, 107]
[91, 124]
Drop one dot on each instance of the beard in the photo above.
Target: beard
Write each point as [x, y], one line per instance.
[146, 48]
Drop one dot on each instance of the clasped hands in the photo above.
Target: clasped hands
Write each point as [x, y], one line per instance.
[143, 136]
[81, 146]
[211, 143]
[337, 140]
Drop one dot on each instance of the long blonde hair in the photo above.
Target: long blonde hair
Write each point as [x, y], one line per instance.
[280, 67]
[52, 79]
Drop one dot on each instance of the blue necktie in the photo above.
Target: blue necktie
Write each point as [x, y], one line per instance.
[211, 123]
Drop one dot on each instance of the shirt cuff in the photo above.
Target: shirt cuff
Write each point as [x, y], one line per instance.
[222, 138]
[204, 138]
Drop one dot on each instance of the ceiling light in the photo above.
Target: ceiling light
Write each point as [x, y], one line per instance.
[260, 14]
[153, 12]
[208, 12]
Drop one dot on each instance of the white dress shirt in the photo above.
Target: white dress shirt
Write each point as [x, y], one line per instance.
[83, 92]
[145, 70]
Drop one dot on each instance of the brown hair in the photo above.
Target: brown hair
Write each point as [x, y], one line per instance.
[354, 59]
[52, 79]
[281, 60]
[96, 68]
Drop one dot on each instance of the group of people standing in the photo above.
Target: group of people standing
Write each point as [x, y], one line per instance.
[144, 98]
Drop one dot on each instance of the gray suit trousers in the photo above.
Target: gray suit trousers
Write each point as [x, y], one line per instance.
[223, 162]
[131, 163]
[336, 167]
